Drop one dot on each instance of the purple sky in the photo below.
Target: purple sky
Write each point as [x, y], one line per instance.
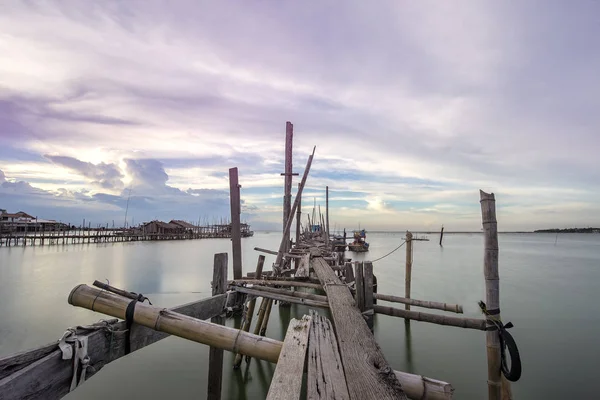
[413, 107]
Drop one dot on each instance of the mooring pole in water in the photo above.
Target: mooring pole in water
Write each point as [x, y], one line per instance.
[327, 214]
[492, 294]
[287, 174]
[298, 218]
[441, 235]
[236, 238]
[407, 278]
[215, 355]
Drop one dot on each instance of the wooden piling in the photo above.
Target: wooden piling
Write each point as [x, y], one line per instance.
[368, 290]
[327, 215]
[215, 355]
[287, 197]
[359, 285]
[441, 235]
[492, 290]
[298, 217]
[250, 310]
[236, 238]
[407, 278]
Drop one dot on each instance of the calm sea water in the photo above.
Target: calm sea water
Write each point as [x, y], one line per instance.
[549, 292]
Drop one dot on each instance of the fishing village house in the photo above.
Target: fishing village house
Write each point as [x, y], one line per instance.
[23, 222]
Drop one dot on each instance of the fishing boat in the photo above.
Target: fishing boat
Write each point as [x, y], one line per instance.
[359, 245]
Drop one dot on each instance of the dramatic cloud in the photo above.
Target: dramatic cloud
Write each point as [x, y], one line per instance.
[107, 176]
[413, 106]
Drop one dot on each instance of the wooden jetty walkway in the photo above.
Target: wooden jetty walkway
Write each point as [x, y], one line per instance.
[339, 357]
[107, 235]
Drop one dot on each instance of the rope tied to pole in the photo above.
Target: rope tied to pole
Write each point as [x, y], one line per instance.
[391, 252]
[506, 341]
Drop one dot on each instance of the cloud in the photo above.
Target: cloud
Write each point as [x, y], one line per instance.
[107, 176]
[413, 106]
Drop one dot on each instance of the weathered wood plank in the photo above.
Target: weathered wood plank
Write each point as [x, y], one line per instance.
[368, 374]
[49, 377]
[456, 308]
[215, 355]
[287, 379]
[298, 294]
[326, 379]
[359, 285]
[303, 266]
[469, 323]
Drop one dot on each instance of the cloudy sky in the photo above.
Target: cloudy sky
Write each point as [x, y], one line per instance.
[413, 107]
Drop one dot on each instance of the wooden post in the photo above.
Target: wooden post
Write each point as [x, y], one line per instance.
[250, 310]
[236, 239]
[298, 217]
[408, 268]
[441, 235]
[287, 197]
[368, 289]
[327, 215]
[348, 272]
[359, 284]
[492, 290]
[215, 355]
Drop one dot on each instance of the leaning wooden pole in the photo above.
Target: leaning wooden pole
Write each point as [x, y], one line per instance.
[298, 218]
[294, 208]
[327, 215]
[492, 290]
[408, 276]
[250, 310]
[215, 355]
[236, 237]
[441, 235]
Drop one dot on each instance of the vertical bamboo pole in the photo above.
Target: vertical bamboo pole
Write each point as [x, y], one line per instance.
[236, 239]
[408, 268]
[287, 197]
[441, 235]
[250, 311]
[327, 214]
[492, 290]
[298, 217]
[263, 328]
[215, 356]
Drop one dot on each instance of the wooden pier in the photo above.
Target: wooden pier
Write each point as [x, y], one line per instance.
[340, 357]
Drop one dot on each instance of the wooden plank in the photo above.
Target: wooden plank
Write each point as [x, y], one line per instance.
[455, 308]
[326, 379]
[368, 292]
[287, 292]
[49, 377]
[236, 236]
[215, 355]
[287, 379]
[368, 374]
[303, 269]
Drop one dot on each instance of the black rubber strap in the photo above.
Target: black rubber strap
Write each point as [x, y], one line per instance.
[495, 311]
[128, 322]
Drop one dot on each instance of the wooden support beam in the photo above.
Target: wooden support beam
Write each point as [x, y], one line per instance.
[287, 379]
[368, 290]
[367, 372]
[280, 297]
[295, 293]
[298, 217]
[348, 272]
[265, 251]
[326, 379]
[287, 196]
[215, 355]
[236, 235]
[456, 308]
[327, 215]
[278, 283]
[359, 293]
[469, 323]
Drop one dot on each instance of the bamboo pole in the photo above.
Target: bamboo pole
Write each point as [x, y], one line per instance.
[236, 239]
[229, 339]
[407, 278]
[469, 323]
[264, 282]
[287, 196]
[263, 328]
[327, 214]
[492, 290]
[250, 311]
[359, 285]
[215, 355]
[441, 235]
[285, 292]
[420, 303]
[298, 217]
[173, 323]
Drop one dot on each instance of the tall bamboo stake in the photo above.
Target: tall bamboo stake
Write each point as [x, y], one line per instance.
[492, 290]
[236, 238]
[298, 217]
[327, 214]
[407, 278]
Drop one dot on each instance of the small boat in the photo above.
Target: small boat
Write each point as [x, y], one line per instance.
[359, 245]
